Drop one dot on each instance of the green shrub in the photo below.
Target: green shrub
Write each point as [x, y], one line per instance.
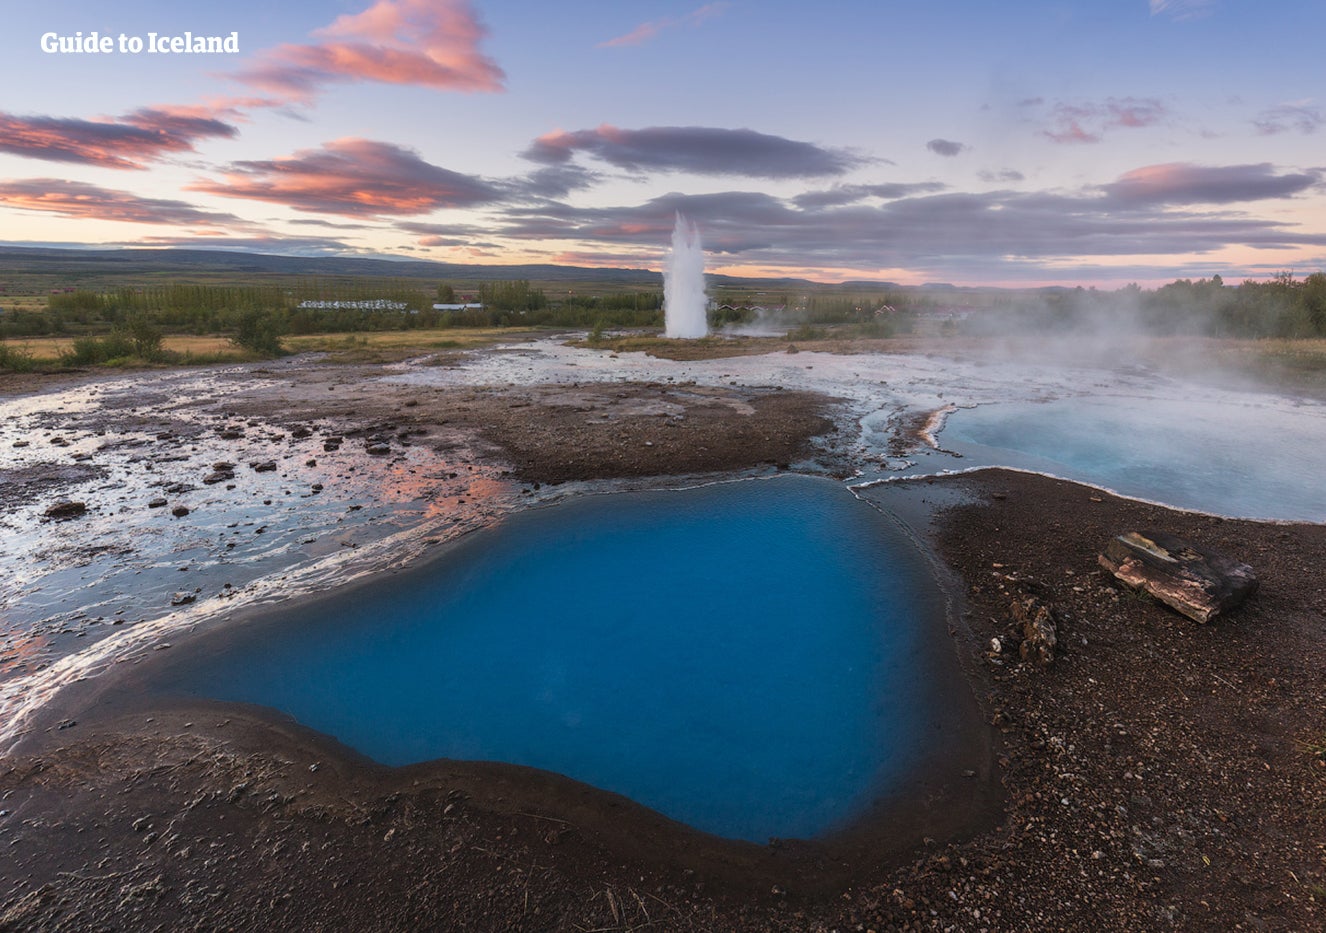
[259, 332]
[143, 335]
[92, 351]
[16, 359]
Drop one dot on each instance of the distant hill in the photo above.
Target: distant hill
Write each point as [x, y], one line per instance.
[56, 261]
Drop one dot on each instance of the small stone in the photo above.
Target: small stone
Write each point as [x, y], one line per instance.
[265, 466]
[157, 504]
[179, 511]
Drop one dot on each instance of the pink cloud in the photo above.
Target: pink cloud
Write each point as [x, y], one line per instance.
[432, 43]
[351, 177]
[130, 141]
[92, 202]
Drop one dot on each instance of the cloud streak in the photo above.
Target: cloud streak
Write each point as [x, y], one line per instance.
[352, 177]
[700, 150]
[1182, 9]
[431, 43]
[1302, 117]
[92, 202]
[131, 141]
[648, 31]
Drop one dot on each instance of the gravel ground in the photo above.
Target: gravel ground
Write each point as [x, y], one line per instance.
[1156, 775]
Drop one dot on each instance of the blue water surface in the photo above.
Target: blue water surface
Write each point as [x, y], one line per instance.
[748, 659]
[1241, 460]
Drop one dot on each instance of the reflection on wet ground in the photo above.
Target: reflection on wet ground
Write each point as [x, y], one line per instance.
[191, 511]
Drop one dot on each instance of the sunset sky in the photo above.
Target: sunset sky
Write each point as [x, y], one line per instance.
[1039, 142]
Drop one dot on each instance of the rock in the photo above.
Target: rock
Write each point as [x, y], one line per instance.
[1040, 634]
[378, 449]
[179, 511]
[1192, 580]
[65, 508]
[218, 476]
[265, 466]
[182, 599]
[157, 504]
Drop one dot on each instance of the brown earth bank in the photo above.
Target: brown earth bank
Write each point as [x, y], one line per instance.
[1157, 775]
[556, 433]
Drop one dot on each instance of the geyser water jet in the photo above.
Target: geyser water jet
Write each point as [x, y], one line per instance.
[684, 300]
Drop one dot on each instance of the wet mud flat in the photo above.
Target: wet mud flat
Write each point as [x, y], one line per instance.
[207, 488]
[1157, 775]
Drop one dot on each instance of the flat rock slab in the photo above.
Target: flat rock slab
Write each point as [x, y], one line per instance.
[1194, 581]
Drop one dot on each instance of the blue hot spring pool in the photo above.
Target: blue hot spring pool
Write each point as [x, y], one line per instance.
[1242, 460]
[754, 659]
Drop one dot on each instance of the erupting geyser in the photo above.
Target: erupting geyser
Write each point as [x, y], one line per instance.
[684, 300]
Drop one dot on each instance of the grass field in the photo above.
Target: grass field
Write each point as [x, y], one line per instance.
[189, 348]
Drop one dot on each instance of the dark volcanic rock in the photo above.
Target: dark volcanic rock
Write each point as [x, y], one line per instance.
[1040, 634]
[157, 504]
[179, 511]
[1192, 580]
[264, 466]
[65, 508]
[218, 476]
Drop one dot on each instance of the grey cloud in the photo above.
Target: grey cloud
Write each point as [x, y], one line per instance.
[1185, 183]
[946, 147]
[1004, 175]
[948, 230]
[700, 150]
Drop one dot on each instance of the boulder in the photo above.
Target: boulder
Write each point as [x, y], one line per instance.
[1192, 580]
